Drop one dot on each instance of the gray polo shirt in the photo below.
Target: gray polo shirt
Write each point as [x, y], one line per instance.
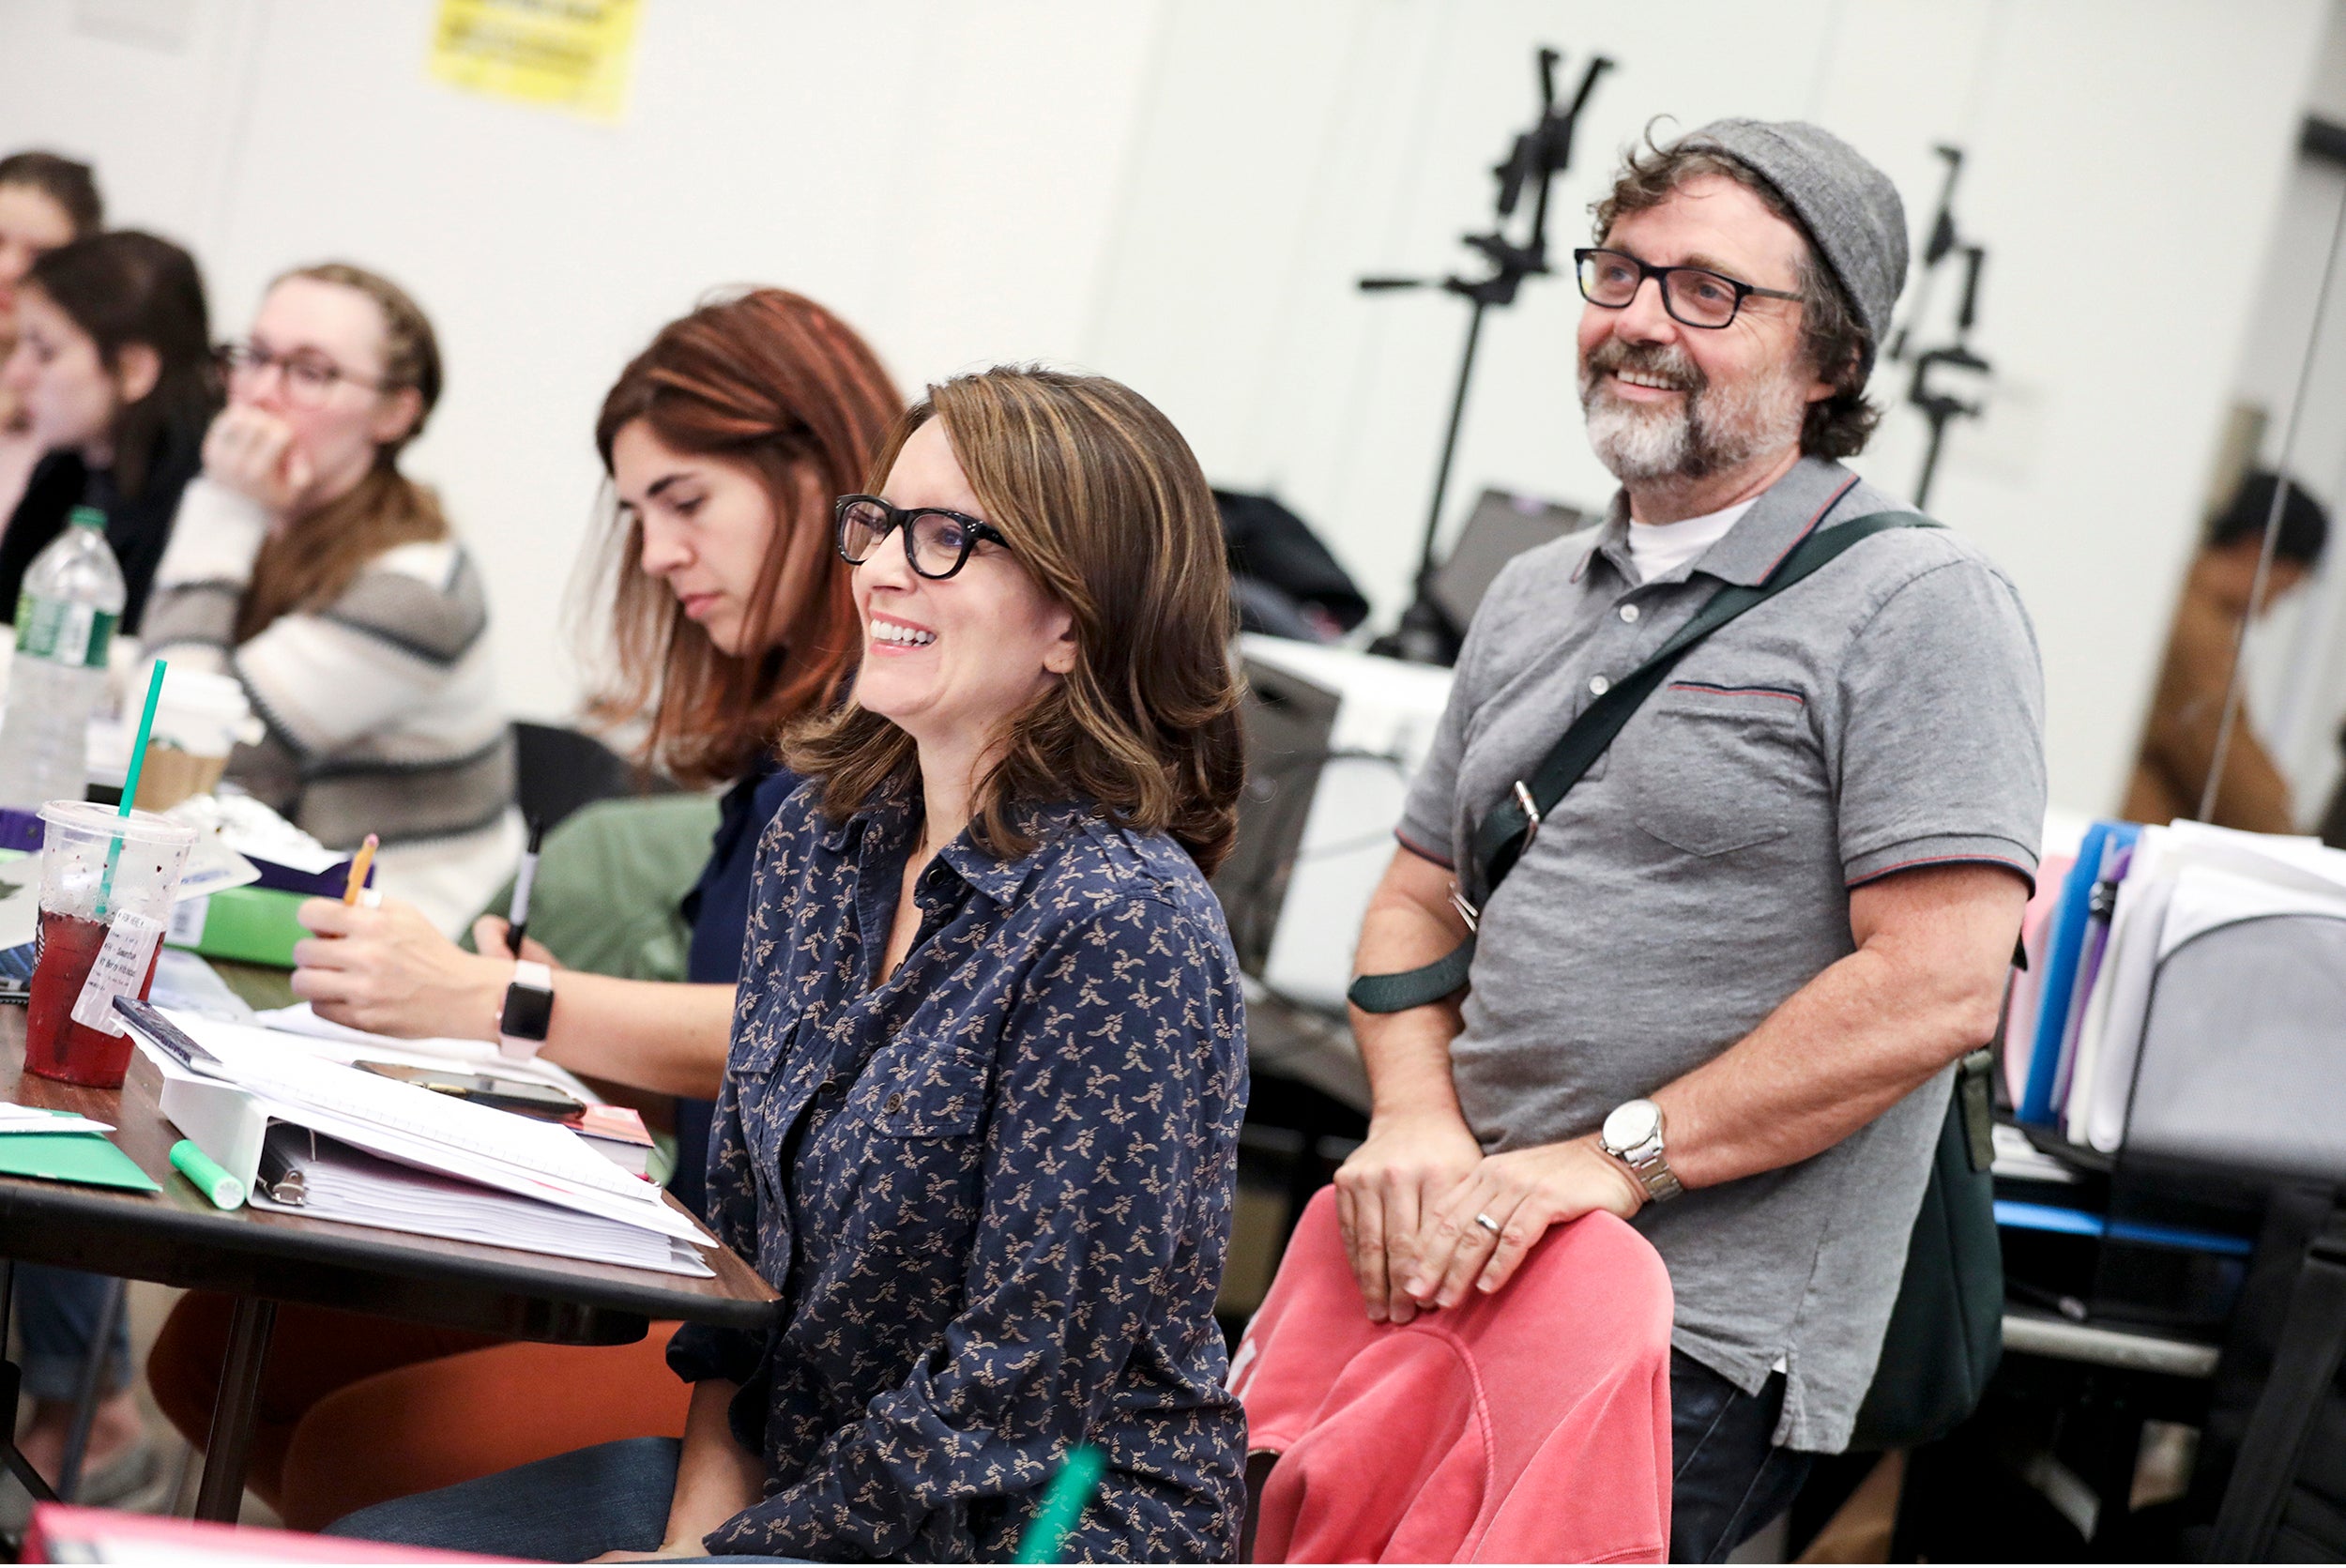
[1886, 713]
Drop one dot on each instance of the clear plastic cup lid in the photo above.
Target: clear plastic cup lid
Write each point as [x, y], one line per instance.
[88, 817]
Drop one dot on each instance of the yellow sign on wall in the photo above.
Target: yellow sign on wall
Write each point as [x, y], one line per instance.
[568, 54]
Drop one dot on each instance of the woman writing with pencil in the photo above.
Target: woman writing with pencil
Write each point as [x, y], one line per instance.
[729, 615]
[979, 1118]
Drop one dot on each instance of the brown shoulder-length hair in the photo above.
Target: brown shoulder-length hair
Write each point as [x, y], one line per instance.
[1103, 502]
[772, 381]
[309, 563]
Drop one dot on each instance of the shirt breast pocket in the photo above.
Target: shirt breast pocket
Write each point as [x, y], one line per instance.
[930, 1094]
[1711, 768]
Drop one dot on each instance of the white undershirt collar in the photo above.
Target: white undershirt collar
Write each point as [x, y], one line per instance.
[1658, 549]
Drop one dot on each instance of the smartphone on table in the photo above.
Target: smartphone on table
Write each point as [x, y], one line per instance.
[517, 1095]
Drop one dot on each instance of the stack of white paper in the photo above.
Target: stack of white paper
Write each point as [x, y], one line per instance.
[354, 1187]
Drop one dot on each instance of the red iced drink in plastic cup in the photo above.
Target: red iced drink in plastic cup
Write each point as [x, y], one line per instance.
[106, 885]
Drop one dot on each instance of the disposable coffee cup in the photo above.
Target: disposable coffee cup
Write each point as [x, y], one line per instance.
[106, 886]
[198, 721]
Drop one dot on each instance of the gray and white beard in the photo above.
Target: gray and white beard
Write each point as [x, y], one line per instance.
[1713, 428]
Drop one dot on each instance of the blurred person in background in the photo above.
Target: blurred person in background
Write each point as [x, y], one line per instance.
[45, 202]
[308, 566]
[728, 617]
[2187, 708]
[114, 372]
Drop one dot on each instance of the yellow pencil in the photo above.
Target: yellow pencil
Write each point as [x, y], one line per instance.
[358, 865]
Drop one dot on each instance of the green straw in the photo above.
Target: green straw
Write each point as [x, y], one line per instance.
[1062, 1505]
[130, 784]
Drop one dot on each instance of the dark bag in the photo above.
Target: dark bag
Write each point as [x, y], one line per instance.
[2275, 1449]
[1946, 1331]
[1268, 545]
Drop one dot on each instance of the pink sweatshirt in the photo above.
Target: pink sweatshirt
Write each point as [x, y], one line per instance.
[1528, 1426]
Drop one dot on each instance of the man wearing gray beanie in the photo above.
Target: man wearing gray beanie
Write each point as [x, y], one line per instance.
[1726, 986]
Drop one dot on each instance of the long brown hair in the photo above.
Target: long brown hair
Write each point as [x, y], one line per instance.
[772, 381]
[125, 288]
[307, 564]
[1103, 502]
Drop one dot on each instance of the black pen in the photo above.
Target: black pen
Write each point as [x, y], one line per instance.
[522, 879]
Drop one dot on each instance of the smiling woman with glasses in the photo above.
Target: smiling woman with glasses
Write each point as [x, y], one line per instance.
[303, 557]
[980, 1119]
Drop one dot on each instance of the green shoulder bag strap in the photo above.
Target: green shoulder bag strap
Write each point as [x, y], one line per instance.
[1501, 837]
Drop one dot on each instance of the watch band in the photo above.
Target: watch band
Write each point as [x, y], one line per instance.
[1653, 1172]
[529, 1010]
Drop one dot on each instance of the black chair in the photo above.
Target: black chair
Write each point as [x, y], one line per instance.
[558, 769]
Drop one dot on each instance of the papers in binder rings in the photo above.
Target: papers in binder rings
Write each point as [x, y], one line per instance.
[393, 1121]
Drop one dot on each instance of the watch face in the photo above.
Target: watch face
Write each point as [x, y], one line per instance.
[1632, 1124]
[528, 1012]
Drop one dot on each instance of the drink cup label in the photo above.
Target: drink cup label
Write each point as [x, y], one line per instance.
[120, 966]
[186, 921]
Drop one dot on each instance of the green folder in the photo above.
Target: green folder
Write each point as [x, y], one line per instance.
[87, 1158]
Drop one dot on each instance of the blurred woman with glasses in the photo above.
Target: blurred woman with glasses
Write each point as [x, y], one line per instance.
[305, 564]
[45, 202]
[979, 1118]
[112, 370]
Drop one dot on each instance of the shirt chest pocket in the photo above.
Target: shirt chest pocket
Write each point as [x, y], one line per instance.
[1712, 769]
[925, 1091]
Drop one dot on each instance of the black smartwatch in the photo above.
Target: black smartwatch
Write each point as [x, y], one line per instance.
[528, 1012]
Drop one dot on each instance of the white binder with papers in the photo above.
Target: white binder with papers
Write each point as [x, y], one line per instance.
[325, 1178]
[226, 1084]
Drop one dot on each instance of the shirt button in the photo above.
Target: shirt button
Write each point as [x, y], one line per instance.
[895, 1102]
[1598, 685]
[1629, 612]
[828, 1087]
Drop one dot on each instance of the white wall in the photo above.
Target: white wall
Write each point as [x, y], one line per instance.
[2108, 141]
[1180, 192]
[943, 176]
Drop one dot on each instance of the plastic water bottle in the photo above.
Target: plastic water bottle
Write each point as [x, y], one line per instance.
[64, 624]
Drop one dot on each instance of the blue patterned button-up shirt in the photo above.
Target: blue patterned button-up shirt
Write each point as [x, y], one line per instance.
[994, 1192]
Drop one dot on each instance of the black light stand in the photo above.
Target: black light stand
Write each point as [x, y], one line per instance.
[1940, 406]
[1425, 633]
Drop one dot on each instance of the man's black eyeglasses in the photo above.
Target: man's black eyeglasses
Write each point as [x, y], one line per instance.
[1694, 295]
[937, 542]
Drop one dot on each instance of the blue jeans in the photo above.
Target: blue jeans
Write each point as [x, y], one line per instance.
[57, 1313]
[612, 1497]
[1728, 1478]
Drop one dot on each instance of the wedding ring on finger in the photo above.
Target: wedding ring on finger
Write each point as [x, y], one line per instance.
[1487, 1223]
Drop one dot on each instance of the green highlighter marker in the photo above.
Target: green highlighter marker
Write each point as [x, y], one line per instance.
[1062, 1505]
[224, 1190]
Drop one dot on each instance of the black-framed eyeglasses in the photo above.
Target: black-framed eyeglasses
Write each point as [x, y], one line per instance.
[310, 377]
[1693, 295]
[936, 541]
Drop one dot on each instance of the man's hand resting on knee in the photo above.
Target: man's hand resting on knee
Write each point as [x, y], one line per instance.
[1386, 1191]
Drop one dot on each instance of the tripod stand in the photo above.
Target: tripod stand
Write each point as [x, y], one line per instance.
[1939, 406]
[1425, 633]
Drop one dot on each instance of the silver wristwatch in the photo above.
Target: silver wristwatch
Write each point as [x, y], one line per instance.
[1633, 1135]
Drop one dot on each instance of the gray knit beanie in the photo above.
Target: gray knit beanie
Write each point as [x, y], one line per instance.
[1849, 207]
